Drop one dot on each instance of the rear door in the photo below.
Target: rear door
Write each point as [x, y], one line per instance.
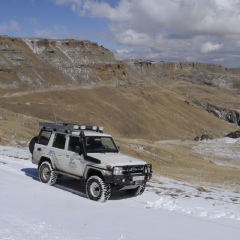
[67, 160]
[58, 152]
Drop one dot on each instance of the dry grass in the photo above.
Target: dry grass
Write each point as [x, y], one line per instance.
[177, 159]
[138, 103]
[150, 113]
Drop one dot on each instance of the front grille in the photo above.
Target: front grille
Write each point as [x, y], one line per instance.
[136, 169]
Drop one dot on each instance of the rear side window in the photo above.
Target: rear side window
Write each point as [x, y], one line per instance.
[59, 141]
[44, 137]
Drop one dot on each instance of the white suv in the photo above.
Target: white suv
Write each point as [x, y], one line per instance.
[85, 152]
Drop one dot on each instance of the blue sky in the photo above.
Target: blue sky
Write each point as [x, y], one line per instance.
[160, 30]
[46, 19]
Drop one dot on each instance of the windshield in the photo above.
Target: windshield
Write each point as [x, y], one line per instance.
[96, 144]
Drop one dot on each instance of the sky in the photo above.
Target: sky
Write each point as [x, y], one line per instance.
[159, 30]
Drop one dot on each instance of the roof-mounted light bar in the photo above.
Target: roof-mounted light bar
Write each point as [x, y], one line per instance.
[75, 127]
[68, 127]
[100, 129]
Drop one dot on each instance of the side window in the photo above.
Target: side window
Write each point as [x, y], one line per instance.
[44, 137]
[59, 141]
[73, 142]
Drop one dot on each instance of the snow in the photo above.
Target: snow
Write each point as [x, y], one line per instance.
[223, 82]
[221, 151]
[198, 201]
[32, 44]
[169, 209]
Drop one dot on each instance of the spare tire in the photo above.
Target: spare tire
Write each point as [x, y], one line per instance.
[32, 143]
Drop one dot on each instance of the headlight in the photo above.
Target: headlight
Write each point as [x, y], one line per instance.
[118, 171]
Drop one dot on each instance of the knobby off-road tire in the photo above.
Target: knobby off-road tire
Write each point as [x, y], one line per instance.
[47, 174]
[136, 191]
[97, 189]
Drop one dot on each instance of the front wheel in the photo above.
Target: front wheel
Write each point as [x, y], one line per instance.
[97, 189]
[47, 174]
[136, 191]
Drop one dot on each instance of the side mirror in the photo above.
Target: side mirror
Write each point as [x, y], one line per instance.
[78, 150]
[118, 147]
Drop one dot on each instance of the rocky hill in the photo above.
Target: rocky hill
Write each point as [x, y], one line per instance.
[138, 102]
[79, 81]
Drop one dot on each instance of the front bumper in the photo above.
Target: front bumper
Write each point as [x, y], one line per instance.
[130, 179]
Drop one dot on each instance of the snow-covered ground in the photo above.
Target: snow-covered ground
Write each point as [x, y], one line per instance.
[30, 210]
[221, 151]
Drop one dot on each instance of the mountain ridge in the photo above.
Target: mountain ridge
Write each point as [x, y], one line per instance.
[140, 92]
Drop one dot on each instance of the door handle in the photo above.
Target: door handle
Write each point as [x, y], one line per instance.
[39, 149]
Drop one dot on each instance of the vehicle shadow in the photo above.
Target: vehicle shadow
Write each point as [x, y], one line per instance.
[74, 186]
[31, 172]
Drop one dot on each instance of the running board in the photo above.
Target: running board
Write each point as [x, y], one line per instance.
[69, 175]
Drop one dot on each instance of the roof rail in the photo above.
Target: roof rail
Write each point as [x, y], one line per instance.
[69, 127]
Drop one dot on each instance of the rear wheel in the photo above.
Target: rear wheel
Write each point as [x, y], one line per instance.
[136, 191]
[97, 189]
[47, 174]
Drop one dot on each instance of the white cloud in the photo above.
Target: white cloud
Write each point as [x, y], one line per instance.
[100, 9]
[170, 29]
[202, 17]
[11, 26]
[179, 16]
[208, 47]
[131, 37]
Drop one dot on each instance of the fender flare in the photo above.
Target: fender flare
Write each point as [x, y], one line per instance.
[48, 159]
[96, 170]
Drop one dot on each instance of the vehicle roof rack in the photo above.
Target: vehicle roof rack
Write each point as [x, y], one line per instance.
[69, 127]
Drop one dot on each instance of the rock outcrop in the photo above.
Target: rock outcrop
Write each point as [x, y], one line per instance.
[202, 138]
[228, 115]
[235, 134]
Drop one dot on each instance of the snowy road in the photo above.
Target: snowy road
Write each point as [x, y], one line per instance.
[30, 210]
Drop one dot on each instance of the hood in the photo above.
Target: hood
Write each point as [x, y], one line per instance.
[116, 159]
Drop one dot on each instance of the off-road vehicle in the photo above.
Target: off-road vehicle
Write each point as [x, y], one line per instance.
[85, 152]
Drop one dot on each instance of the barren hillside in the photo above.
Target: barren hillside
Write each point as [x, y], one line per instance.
[79, 81]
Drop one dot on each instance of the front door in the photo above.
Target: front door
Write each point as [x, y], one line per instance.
[74, 162]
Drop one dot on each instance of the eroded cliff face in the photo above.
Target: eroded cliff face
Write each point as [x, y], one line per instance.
[83, 82]
[37, 64]
[228, 115]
